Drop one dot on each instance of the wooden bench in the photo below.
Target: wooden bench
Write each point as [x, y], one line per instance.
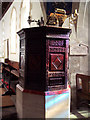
[14, 65]
[10, 73]
[82, 89]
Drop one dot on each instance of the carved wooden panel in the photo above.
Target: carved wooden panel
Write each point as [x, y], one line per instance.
[56, 62]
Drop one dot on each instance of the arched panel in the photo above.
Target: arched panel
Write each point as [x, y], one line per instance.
[13, 31]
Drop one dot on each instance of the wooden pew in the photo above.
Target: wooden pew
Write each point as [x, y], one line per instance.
[10, 76]
[14, 65]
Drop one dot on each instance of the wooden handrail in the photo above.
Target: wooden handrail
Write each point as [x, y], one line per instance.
[16, 73]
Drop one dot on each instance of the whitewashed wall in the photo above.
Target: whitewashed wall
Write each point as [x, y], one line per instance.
[36, 13]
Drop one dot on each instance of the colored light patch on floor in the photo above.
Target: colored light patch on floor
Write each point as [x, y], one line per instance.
[82, 113]
[73, 116]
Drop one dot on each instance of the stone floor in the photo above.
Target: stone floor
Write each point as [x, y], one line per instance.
[82, 114]
[9, 113]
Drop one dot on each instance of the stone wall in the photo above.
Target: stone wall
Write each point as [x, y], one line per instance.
[89, 37]
[79, 54]
[78, 59]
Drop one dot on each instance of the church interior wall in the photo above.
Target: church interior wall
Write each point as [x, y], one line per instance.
[78, 56]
